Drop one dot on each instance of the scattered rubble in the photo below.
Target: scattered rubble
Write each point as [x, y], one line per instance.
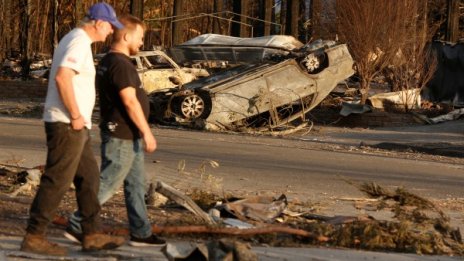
[215, 250]
[25, 180]
[417, 225]
[259, 208]
[21, 108]
[183, 200]
[451, 116]
[350, 107]
[406, 100]
[38, 67]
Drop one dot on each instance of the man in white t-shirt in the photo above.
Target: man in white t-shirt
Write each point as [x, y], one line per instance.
[70, 159]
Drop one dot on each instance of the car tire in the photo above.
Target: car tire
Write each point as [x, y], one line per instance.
[191, 107]
[315, 62]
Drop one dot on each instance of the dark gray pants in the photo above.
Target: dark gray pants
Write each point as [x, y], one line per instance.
[69, 159]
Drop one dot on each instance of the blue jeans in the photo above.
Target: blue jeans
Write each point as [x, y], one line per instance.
[122, 163]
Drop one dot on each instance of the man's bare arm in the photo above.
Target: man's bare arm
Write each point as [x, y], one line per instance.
[135, 112]
[64, 85]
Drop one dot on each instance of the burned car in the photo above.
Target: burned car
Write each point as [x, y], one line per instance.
[269, 81]
[159, 72]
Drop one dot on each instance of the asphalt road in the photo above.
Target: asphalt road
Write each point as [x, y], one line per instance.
[250, 164]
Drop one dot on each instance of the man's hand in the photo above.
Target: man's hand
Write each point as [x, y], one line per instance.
[78, 123]
[150, 142]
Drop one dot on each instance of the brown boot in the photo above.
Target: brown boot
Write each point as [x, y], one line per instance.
[40, 245]
[100, 241]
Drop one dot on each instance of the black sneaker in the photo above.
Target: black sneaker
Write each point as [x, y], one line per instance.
[149, 241]
[73, 236]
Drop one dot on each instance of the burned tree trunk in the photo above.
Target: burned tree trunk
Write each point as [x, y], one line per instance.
[283, 16]
[244, 11]
[2, 30]
[136, 8]
[240, 26]
[268, 8]
[177, 28]
[44, 32]
[292, 17]
[54, 31]
[310, 26]
[218, 8]
[303, 33]
[452, 28]
[25, 51]
[237, 9]
[77, 14]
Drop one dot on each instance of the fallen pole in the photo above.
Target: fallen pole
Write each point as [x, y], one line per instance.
[228, 231]
[62, 221]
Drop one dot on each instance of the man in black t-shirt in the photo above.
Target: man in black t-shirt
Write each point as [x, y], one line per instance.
[125, 133]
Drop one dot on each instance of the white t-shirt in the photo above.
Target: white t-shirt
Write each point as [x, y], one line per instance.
[73, 52]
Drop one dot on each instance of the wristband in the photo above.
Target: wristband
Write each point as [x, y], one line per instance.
[78, 117]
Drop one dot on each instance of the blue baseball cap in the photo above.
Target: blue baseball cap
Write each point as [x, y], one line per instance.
[103, 11]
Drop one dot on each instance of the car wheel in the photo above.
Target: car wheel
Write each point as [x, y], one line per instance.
[195, 106]
[314, 62]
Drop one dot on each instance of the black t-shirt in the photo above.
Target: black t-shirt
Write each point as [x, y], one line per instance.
[114, 73]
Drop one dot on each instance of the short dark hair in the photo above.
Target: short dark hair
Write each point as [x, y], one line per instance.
[130, 22]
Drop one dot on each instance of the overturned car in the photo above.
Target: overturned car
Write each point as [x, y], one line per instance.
[264, 81]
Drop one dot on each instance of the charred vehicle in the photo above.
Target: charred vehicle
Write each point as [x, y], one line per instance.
[155, 68]
[159, 72]
[265, 81]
